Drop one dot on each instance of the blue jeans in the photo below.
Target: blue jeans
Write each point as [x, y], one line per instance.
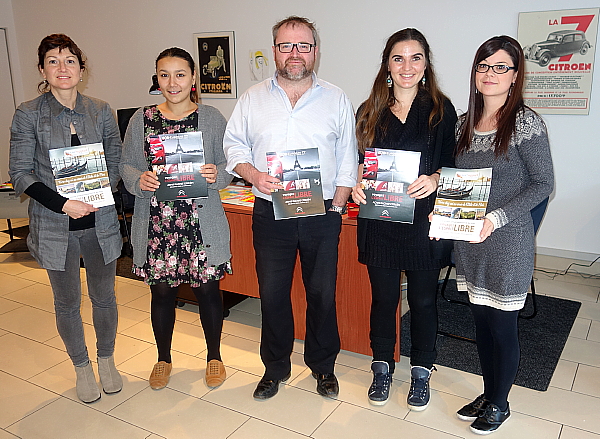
[66, 288]
[276, 244]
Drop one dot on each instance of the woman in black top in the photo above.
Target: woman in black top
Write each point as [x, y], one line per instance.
[405, 111]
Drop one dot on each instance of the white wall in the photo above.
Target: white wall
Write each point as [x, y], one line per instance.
[122, 39]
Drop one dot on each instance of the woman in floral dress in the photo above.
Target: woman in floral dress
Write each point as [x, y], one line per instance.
[181, 241]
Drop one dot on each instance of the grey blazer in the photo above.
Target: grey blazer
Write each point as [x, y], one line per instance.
[213, 222]
[43, 124]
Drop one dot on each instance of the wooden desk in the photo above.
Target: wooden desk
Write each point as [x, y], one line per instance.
[353, 288]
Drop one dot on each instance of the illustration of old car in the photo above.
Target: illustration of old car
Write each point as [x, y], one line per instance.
[215, 63]
[558, 43]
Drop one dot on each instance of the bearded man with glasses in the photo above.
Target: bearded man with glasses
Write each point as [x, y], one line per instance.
[295, 110]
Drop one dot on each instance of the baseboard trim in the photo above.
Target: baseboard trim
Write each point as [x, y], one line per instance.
[568, 254]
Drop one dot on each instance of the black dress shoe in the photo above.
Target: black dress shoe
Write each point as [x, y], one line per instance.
[268, 388]
[327, 384]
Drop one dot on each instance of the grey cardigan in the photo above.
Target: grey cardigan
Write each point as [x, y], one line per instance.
[213, 222]
[43, 124]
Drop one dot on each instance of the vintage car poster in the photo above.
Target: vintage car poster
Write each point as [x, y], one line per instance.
[299, 171]
[461, 202]
[215, 58]
[387, 173]
[80, 173]
[559, 50]
[177, 160]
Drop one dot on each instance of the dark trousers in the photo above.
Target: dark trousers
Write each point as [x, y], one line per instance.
[276, 244]
[421, 295]
[497, 337]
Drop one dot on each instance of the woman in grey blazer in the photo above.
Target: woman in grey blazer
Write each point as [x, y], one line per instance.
[186, 240]
[61, 229]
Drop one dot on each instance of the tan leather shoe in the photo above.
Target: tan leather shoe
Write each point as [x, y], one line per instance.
[159, 378]
[215, 373]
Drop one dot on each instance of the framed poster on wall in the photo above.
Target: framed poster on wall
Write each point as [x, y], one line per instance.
[559, 49]
[215, 58]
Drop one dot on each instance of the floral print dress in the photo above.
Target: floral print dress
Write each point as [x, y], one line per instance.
[176, 254]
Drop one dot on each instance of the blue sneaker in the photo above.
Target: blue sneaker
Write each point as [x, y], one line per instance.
[379, 392]
[418, 396]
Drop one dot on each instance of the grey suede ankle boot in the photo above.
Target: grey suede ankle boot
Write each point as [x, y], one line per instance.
[87, 388]
[109, 375]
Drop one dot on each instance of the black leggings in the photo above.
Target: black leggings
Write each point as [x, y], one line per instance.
[499, 352]
[422, 293]
[210, 306]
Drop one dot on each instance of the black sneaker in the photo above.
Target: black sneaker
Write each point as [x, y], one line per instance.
[418, 396]
[473, 410]
[490, 420]
[379, 392]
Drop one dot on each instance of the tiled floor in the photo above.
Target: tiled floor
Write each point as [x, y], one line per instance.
[38, 400]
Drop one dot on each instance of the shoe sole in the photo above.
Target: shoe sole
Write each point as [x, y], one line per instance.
[90, 402]
[483, 433]
[466, 418]
[378, 403]
[417, 408]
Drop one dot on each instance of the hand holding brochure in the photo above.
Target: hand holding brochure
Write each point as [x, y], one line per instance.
[80, 173]
[461, 203]
[300, 175]
[177, 160]
[386, 175]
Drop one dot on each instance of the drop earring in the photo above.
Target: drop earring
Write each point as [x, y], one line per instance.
[423, 81]
[194, 87]
[389, 81]
[511, 88]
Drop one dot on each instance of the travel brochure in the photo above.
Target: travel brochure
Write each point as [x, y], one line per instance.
[80, 173]
[461, 203]
[300, 175]
[386, 175]
[177, 160]
[239, 195]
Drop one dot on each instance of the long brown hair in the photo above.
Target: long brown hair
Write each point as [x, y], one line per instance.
[382, 96]
[62, 42]
[177, 52]
[506, 115]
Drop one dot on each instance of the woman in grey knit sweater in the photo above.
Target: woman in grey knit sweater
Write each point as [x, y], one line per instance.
[500, 132]
[181, 241]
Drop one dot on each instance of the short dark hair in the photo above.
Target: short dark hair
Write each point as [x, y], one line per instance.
[294, 21]
[177, 52]
[60, 41]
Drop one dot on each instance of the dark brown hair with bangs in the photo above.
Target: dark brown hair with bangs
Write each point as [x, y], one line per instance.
[506, 116]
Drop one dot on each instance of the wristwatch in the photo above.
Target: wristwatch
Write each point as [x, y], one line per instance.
[339, 209]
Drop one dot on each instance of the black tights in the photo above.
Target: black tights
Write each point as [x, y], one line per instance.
[210, 306]
[499, 352]
[421, 295]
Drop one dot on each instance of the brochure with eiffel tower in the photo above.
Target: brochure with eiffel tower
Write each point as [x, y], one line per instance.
[177, 160]
[386, 175]
[299, 171]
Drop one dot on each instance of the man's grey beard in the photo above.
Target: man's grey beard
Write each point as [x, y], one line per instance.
[304, 73]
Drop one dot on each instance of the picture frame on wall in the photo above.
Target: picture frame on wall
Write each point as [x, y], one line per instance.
[215, 58]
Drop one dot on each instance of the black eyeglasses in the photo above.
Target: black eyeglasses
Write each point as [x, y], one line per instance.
[498, 69]
[301, 47]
